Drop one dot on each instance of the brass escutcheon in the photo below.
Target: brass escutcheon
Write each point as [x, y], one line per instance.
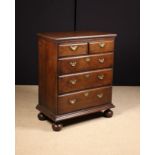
[101, 77]
[72, 101]
[86, 94]
[101, 44]
[100, 95]
[73, 47]
[87, 59]
[101, 60]
[87, 75]
[73, 64]
[73, 82]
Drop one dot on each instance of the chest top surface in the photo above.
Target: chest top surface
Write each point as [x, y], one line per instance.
[75, 35]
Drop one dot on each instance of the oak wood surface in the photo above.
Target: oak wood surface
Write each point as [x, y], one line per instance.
[84, 99]
[83, 82]
[96, 46]
[78, 113]
[47, 74]
[85, 63]
[75, 35]
[71, 49]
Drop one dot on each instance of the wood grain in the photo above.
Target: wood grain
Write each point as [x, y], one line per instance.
[66, 49]
[47, 74]
[95, 62]
[95, 46]
[84, 99]
[84, 82]
[58, 36]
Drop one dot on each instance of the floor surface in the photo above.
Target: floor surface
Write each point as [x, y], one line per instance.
[93, 135]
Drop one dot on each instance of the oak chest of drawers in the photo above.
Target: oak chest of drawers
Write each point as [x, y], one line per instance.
[75, 75]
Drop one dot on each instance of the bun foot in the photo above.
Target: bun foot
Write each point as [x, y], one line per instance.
[108, 113]
[57, 126]
[41, 117]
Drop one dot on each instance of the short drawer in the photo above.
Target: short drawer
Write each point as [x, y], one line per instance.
[80, 81]
[71, 49]
[100, 46]
[84, 99]
[85, 63]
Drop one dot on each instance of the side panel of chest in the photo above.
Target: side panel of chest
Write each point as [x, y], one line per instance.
[47, 58]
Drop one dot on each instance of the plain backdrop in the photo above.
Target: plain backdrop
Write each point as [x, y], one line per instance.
[121, 17]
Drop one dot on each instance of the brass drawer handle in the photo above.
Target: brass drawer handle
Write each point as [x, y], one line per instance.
[101, 77]
[100, 95]
[101, 44]
[86, 94]
[101, 60]
[87, 75]
[73, 47]
[73, 64]
[72, 101]
[73, 82]
[87, 59]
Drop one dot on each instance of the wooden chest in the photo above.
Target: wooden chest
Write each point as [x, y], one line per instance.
[75, 75]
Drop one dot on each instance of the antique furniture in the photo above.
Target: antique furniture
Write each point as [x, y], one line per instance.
[75, 75]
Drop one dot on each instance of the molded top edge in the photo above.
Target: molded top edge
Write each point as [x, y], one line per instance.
[74, 35]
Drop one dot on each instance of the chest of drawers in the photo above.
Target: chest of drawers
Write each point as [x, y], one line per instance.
[75, 75]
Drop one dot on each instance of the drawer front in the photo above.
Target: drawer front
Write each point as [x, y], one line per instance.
[73, 49]
[80, 81]
[101, 46]
[84, 99]
[85, 63]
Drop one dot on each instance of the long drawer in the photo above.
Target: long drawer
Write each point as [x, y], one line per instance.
[80, 81]
[84, 99]
[85, 63]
